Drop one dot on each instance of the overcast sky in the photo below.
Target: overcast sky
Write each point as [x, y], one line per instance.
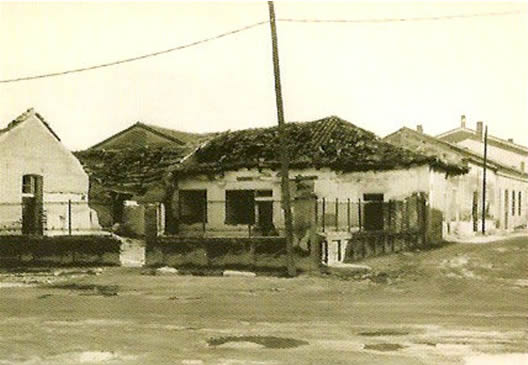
[379, 76]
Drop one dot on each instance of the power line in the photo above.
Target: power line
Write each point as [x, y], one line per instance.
[242, 29]
[132, 59]
[395, 20]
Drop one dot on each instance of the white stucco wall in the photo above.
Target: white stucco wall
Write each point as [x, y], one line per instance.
[506, 157]
[511, 184]
[30, 148]
[394, 184]
[459, 205]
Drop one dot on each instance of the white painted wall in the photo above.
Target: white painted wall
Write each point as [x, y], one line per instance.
[30, 148]
[394, 184]
[506, 157]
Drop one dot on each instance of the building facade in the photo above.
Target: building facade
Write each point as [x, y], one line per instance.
[43, 187]
[339, 173]
[506, 152]
[506, 185]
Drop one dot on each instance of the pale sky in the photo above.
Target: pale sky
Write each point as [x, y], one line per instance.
[380, 76]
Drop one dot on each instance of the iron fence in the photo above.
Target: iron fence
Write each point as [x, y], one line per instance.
[264, 217]
[64, 217]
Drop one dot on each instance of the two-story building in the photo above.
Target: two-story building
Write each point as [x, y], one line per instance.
[506, 206]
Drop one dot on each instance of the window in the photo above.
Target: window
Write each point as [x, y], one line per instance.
[240, 206]
[522, 166]
[29, 184]
[513, 203]
[193, 206]
[520, 205]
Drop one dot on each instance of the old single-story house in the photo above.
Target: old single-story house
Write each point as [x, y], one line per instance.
[43, 187]
[129, 169]
[231, 185]
[506, 186]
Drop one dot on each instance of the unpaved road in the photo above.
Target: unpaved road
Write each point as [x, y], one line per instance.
[460, 304]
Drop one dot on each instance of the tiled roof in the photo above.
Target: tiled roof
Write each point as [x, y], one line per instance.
[184, 137]
[130, 169]
[172, 136]
[329, 142]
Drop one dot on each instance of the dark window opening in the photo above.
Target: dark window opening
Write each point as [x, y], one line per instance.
[520, 199]
[373, 212]
[193, 206]
[513, 203]
[240, 207]
[29, 183]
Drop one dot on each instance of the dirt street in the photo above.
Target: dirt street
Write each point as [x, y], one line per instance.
[459, 304]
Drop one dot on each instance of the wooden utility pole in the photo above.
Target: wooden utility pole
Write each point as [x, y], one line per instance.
[285, 176]
[484, 181]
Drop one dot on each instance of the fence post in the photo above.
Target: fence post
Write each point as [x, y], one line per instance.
[425, 219]
[359, 214]
[391, 224]
[337, 214]
[348, 214]
[252, 255]
[316, 211]
[69, 217]
[204, 216]
[324, 213]
[389, 218]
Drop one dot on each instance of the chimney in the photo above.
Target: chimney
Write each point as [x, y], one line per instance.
[463, 121]
[480, 130]
[419, 128]
[510, 140]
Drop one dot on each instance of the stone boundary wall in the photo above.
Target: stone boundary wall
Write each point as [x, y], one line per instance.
[59, 250]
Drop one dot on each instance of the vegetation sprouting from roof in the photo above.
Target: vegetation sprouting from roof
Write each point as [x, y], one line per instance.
[329, 142]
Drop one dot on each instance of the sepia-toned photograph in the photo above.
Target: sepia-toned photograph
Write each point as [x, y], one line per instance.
[264, 182]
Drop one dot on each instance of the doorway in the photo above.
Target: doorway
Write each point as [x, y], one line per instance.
[373, 212]
[506, 208]
[265, 216]
[32, 205]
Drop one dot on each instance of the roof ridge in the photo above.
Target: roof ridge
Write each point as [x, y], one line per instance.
[25, 116]
[467, 152]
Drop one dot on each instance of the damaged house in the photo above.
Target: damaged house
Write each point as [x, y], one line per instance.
[231, 186]
[128, 170]
[43, 187]
[506, 181]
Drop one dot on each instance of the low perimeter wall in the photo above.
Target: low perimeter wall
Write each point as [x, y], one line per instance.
[59, 250]
[368, 244]
[256, 254]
